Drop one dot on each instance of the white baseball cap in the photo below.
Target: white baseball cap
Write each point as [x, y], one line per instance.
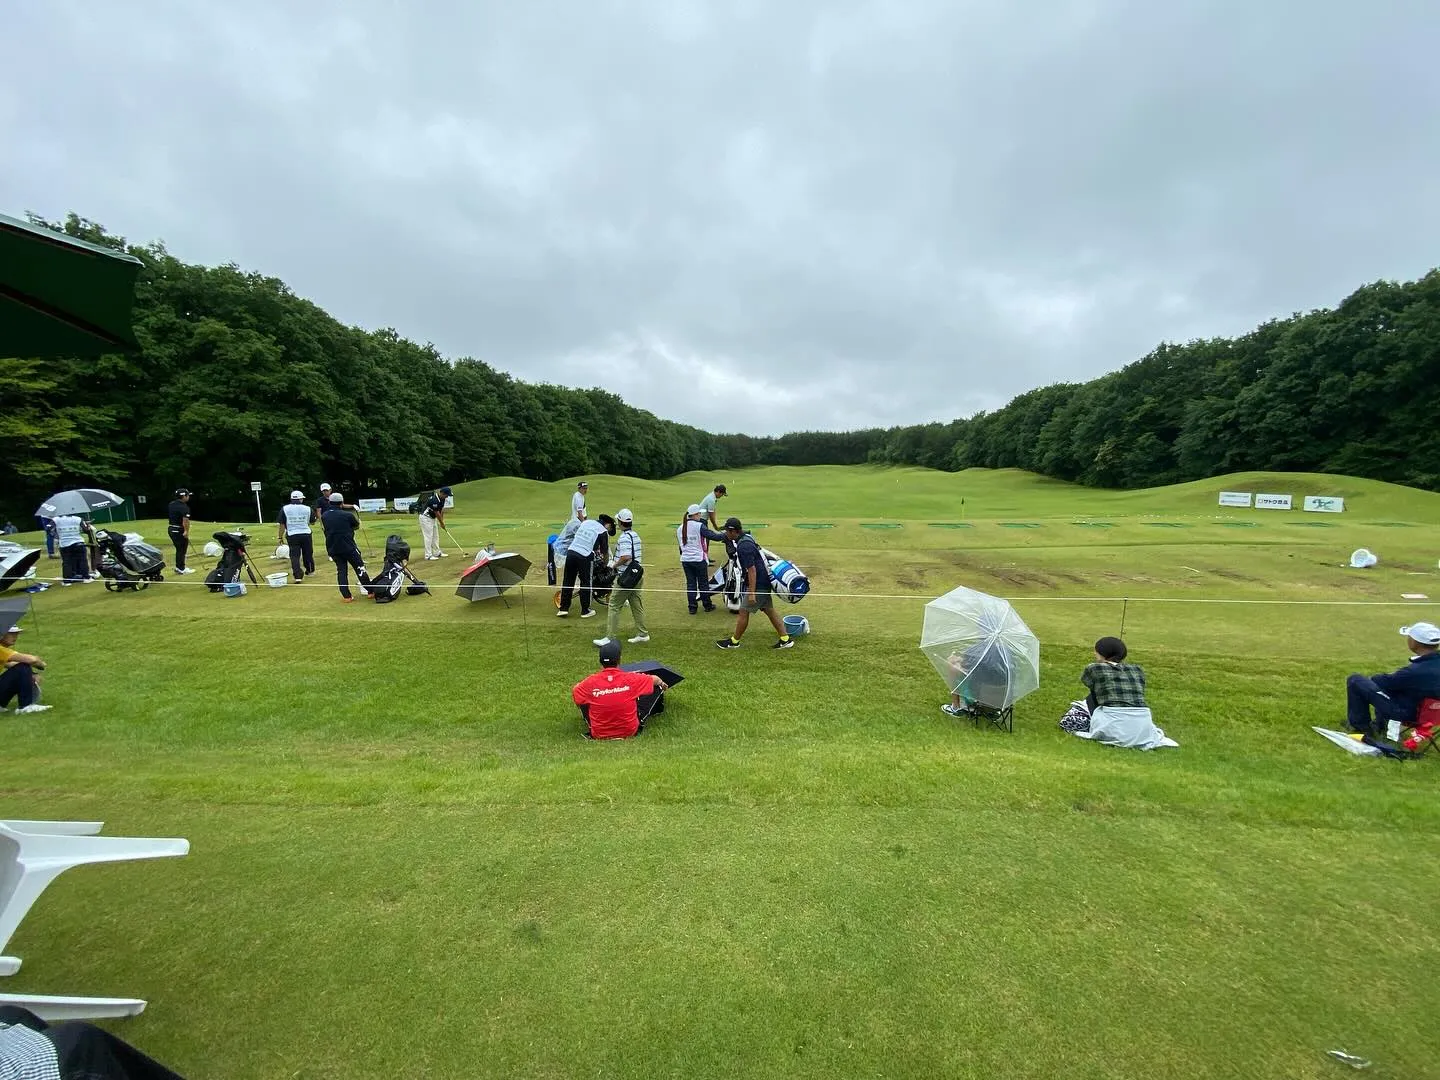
[324, 487]
[694, 509]
[1423, 632]
[297, 496]
[625, 516]
[14, 630]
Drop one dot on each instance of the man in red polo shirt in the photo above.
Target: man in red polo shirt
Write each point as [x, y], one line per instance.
[609, 699]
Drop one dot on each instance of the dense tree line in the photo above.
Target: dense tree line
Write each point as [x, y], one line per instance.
[1350, 390]
[239, 379]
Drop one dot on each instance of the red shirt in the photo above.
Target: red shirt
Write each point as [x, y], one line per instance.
[612, 695]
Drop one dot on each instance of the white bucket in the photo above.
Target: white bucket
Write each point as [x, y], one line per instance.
[277, 581]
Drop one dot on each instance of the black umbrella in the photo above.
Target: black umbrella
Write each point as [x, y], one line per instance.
[12, 611]
[15, 563]
[63, 297]
[653, 703]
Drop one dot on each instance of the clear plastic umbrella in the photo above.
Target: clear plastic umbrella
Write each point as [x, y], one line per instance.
[981, 648]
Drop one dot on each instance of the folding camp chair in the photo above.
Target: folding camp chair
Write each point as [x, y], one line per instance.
[29, 861]
[1427, 728]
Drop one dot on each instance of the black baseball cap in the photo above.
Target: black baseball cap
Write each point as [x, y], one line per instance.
[734, 523]
[446, 491]
[610, 652]
[180, 493]
[720, 489]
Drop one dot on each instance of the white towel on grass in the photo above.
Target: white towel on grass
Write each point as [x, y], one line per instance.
[1117, 726]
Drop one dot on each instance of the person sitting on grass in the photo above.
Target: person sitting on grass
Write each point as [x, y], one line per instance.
[980, 675]
[18, 679]
[755, 592]
[1396, 696]
[609, 700]
[1114, 711]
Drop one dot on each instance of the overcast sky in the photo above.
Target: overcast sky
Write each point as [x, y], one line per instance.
[757, 216]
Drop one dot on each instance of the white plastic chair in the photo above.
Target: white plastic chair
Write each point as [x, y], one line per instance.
[30, 861]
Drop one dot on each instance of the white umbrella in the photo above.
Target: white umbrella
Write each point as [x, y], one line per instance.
[981, 648]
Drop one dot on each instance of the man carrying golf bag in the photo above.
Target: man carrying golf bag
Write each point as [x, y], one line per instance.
[294, 521]
[340, 526]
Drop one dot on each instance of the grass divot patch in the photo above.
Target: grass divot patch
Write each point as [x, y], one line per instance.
[881, 525]
[950, 525]
[1020, 524]
[1310, 524]
[813, 525]
[505, 525]
[1166, 524]
[1241, 524]
[1094, 524]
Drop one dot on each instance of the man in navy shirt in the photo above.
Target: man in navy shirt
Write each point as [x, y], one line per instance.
[1397, 696]
[755, 594]
[340, 525]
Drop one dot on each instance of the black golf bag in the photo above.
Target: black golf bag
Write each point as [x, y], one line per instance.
[550, 558]
[602, 578]
[233, 559]
[395, 574]
[127, 563]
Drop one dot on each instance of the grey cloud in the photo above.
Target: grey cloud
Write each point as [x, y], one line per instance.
[751, 215]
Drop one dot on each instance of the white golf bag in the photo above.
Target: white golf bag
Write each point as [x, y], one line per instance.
[787, 581]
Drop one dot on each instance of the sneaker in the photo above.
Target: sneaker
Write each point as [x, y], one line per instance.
[187, 570]
[347, 599]
[708, 607]
[33, 708]
[639, 639]
[562, 614]
[784, 643]
[952, 710]
[443, 555]
[94, 574]
[64, 584]
[601, 641]
[727, 643]
[587, 614]
[692, 611]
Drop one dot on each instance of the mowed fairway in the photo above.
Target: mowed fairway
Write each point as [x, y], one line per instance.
[405, 861]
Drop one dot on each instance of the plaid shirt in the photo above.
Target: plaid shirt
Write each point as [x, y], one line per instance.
[26, 1054]
[1122, 685]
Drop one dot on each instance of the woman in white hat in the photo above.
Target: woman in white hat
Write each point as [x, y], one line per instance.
[693, 560]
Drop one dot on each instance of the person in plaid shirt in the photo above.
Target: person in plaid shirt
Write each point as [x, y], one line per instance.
[1110, 680]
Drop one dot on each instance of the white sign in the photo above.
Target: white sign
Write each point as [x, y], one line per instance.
[1324, 504]
[449, 502]
[370, 505]
[1272, 502]
[404, 504]
[1234, 498]
[140, 499]
[254, 485]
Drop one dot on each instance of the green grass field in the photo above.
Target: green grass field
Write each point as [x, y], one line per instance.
[405, 861]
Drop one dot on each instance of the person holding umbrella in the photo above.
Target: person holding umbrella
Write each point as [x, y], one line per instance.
[17, 679]
[626, 591]
[294, 531]
[179, 528]
[70, 533]
[340, 525]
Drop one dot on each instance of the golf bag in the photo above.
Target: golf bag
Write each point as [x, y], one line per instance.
[233, 559]
[550, 558]
[126, 561]
[395, 574]
[787, 581]
[602, 578]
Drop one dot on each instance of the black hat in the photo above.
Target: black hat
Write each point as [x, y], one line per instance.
[180, 493]
[446, 491]
[720, 489]
[610, 653]
[734, 523]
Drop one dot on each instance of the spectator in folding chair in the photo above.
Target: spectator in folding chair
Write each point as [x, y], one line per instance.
[31, 1049]
[1373, 700]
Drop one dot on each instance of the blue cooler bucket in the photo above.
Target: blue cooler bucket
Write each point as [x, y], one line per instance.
[234, 588]
[796, 625]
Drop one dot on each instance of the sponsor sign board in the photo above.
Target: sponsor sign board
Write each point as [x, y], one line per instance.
[1272, 502]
